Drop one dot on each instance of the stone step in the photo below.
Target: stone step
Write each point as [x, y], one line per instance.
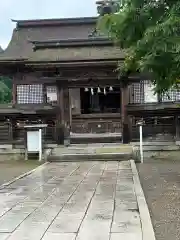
[92, 152]
[95, 138]
[155, 143]
[148, 148]
[90, 157]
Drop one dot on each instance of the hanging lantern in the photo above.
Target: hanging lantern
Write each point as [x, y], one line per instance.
[92, 91]
[86, 89]
[104, 91]
[110, 88]
[99, 90]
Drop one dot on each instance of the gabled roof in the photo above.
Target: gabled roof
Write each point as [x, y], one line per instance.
[1, 50]
[57, 40]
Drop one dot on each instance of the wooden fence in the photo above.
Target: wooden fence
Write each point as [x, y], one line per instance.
[5, 133]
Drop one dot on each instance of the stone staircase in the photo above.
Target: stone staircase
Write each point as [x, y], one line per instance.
[90, 152]
[88, 138]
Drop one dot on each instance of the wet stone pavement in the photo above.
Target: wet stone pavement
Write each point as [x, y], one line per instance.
[72, 201]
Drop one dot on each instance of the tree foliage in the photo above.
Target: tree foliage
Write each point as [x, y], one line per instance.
[5, 90]
[149, 32]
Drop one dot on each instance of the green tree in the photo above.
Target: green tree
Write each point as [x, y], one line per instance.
[5, 90]
[149, 33]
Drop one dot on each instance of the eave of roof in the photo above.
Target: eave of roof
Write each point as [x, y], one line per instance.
[72, 43]
[99, 62]
[53, 22]
[77, 54]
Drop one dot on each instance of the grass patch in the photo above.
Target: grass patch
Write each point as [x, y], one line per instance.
[21, 162]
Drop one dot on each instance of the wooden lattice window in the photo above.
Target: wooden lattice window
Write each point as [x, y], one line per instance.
[137, 92]
[142, 92]
[27, 94]
[173, 95]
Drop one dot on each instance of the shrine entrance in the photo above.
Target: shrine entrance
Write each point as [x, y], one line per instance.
[92, 104]
[95, 110]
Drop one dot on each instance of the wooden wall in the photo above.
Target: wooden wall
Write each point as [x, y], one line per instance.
[97, 123]
[5, 133]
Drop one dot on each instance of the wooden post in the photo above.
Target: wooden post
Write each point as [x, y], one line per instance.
[177, 128]
[64, 115]
[10, 132]
[59, 132]
[14, 93]
[67, 115]
[61, 105]
[124, 116]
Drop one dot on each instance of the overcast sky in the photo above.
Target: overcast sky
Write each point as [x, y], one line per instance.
[34, 9]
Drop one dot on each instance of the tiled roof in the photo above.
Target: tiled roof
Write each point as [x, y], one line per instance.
[76, 54]
[26, 32]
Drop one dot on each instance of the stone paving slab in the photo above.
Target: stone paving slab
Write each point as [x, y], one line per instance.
[73, 201]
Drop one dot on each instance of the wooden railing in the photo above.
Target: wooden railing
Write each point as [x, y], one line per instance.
[49, 134]
[5, 133]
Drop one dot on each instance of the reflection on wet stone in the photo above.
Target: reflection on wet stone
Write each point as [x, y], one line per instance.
[68, 201]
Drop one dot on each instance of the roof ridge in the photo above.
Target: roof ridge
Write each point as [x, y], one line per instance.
[55, 21]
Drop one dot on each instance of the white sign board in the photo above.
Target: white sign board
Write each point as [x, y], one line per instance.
[33, 141]
[51, 96]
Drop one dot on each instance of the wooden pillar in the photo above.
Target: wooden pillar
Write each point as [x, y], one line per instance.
[63, 116]
[177, 123]
[67, 112]
[14, 94]
[10, 133]
[59, 132]
[124, 116]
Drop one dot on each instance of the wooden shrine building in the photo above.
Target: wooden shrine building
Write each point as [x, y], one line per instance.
[64, 76]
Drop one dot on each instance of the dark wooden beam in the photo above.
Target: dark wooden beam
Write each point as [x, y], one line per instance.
[134, 108]
[91, 42]
[124, 115]
[70, 64]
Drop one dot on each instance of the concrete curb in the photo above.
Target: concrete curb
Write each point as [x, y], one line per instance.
[147, 228]
[4, 185]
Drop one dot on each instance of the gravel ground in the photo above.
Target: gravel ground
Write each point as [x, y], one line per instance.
[12, 169]
[161, 184]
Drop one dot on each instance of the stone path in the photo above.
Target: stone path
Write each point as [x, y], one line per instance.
[73, 201]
